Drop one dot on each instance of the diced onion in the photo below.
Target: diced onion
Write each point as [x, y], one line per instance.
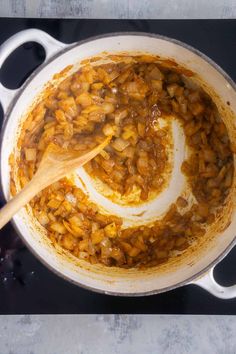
[120, 144]
[30, 154]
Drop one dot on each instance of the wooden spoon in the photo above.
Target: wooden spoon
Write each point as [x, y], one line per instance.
[55, 164]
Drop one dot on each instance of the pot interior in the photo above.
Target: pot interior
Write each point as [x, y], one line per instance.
[116, 280]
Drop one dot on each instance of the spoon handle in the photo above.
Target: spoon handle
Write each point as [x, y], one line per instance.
[17, 202]
[51, 169]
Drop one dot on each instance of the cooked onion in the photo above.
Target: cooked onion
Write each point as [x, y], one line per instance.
[120, 144]
[128, 99]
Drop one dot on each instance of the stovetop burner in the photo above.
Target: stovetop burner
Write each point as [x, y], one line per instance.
[28, 287]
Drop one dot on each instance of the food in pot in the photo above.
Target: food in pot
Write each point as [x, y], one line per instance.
[128, 99]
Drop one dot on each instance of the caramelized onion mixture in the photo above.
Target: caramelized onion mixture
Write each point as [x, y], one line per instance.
[127, 99]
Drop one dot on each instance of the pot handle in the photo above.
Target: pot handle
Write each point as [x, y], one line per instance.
[208, 282]
[50, 45]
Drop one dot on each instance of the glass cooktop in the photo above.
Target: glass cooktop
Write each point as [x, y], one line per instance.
[27, 286]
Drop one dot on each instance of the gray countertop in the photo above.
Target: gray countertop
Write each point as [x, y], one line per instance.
[127, 334]
[85, 334]
[151, 9]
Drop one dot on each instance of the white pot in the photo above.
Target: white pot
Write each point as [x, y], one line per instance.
[196, 267]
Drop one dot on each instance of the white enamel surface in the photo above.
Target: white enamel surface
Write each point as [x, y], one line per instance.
[50, 45]
[113, 281]
[150, 211]
[208, 282]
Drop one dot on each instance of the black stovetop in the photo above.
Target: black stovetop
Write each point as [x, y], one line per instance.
[28, 287]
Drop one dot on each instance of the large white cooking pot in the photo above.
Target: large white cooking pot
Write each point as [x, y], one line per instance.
[196, 267]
